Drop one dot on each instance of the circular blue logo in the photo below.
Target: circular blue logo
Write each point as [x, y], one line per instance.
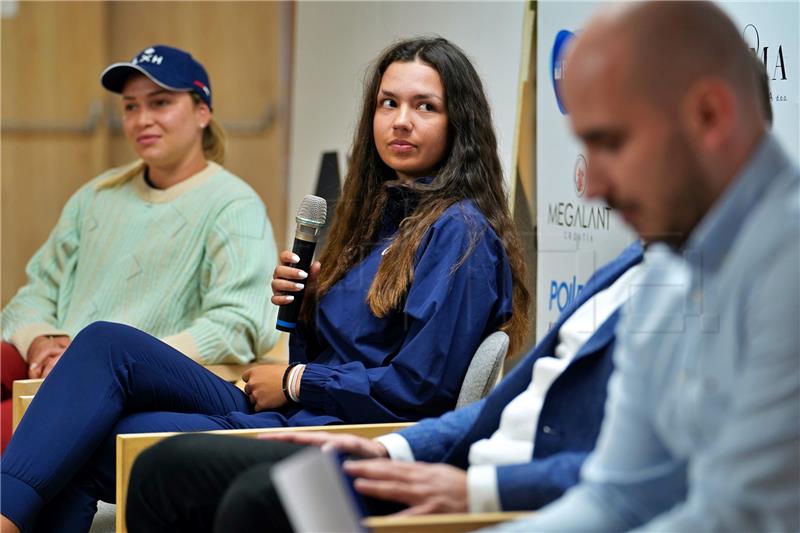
[557, 64]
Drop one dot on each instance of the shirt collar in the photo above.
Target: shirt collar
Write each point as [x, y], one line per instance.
[713, 237]
[157, 196]
[401, 202]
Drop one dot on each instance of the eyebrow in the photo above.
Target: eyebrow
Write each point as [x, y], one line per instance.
[154, 93]
[598, 134]
[421, 96]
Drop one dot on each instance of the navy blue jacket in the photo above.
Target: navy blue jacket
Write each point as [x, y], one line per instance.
[411, 363]
[569, 421]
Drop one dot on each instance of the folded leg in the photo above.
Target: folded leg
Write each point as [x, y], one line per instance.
[109, 371]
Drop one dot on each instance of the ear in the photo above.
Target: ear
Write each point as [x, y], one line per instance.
[203, 114]
[708, 113]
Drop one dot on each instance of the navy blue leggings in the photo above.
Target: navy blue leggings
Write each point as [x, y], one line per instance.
[112, 379]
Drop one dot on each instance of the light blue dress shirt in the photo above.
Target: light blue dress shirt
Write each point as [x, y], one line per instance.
[702, 427]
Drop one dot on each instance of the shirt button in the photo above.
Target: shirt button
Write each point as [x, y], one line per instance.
[547, 430]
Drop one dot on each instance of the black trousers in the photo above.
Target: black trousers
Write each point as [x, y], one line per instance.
[204, 482]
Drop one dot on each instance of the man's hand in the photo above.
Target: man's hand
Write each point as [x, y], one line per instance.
[263, 386]
[426, 488]
[43, 353]
[340, 442]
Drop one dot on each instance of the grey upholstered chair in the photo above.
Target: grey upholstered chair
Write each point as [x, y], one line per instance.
[484, 370]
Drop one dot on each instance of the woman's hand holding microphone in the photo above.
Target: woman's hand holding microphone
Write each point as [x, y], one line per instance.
[286, 279]
[272, 386]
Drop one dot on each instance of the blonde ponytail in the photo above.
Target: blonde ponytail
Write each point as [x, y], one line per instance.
[215, 141]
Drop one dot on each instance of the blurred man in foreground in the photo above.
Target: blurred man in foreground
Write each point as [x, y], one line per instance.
[702, 427]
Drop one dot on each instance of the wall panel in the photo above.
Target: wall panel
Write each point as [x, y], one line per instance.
[49, 83]
[244, 46]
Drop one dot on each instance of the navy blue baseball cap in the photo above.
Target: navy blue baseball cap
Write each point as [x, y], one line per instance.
[169, 67]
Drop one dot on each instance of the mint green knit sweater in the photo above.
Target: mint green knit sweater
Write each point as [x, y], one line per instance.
[190, 264]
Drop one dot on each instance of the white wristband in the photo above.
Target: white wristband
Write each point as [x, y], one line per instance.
[294, 383]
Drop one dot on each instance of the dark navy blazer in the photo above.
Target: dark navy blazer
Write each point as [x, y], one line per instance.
[569, 421]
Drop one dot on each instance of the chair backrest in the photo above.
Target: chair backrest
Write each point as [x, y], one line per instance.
[484, 369]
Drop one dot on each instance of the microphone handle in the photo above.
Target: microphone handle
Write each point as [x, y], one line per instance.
[287, 314]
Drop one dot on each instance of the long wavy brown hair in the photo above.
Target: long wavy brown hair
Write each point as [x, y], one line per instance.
[470, 170]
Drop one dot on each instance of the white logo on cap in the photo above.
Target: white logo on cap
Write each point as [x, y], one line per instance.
[148, 56]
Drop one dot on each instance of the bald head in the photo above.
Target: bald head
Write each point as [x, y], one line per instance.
[669, 45]
[665, 98]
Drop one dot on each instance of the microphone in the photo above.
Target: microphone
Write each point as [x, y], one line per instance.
[310, 218]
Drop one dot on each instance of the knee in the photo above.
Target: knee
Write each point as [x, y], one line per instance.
[101, 332]
[99, 339]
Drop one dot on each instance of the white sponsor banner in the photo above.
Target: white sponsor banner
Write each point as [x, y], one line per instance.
[576, 236]
[772, 31]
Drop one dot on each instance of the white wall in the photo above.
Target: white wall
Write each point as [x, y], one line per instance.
[335, 43]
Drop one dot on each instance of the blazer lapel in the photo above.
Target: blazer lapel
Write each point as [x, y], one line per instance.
[519, 379]
[600, 339]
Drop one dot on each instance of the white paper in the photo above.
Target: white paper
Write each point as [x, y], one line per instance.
[314, 495]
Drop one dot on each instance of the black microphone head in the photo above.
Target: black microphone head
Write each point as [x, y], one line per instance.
[313, 211]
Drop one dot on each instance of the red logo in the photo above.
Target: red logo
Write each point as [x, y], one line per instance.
[579, 175]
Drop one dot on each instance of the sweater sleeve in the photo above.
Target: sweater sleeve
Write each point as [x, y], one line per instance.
[34, 310]
[236, 320]
[461, 291]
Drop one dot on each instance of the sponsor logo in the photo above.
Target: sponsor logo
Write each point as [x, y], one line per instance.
[579, 175]
[569, 214]
[563, 293]
[148, 56]
[576, 215]
[558, 65]
[773, 59]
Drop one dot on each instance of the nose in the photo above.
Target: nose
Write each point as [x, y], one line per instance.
[402, 119]
[596, 181]
[143, 117]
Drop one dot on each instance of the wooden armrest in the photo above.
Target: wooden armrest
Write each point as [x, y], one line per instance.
[440, 523]
[130, 446]
[26, 387]
[22, 392]
[19, 405]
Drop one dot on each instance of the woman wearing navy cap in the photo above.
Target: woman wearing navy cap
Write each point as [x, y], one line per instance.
[421, 263]
[149, 244]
